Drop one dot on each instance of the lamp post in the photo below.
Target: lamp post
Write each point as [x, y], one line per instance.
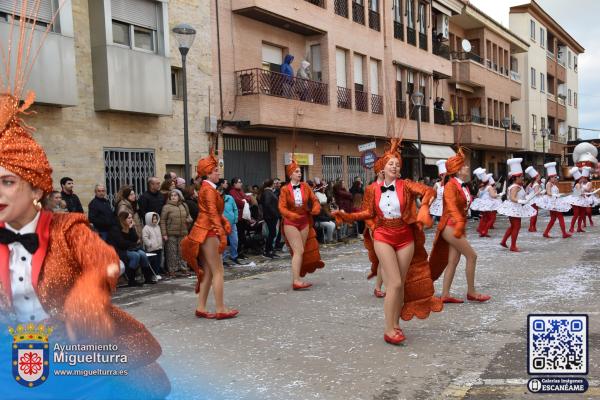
[417, 100]
[534, 134]
[505, 124]
[185, 35]
[544, 133]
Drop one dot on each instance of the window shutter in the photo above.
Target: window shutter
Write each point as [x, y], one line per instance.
[136, 12]
[44, 13]
[358, 69]
[272, 54]
[340, 67]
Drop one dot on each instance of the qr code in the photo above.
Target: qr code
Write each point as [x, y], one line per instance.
[557, 344]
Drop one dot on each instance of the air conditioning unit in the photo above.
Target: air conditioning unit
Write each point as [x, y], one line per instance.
[443, 25]
[210, 124]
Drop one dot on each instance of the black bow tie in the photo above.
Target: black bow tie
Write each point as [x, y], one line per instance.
[296, 187]
[30, 240]
[464, 184]
[390, 188]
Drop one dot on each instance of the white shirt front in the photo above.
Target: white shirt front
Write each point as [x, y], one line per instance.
[26, 304]
[465, 191]
[389, 204]
[297, 195]
[214, 185]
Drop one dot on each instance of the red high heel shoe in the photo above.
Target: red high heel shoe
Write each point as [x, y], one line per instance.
[378, 293]
[227, 315]
[547, 236]
[396, 339]
[301, 286]
[451, 299]
[205, 314]
[503, 244]
[566, 236]
[480, 297]
[515, 249]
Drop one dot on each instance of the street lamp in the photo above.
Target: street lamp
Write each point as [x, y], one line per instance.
[185, 35]
[505, 124]
[417, 100]
[534, 134]
[545, 132]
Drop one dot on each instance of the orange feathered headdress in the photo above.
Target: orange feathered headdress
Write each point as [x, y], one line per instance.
[379, 165]
[393, 151]
[454, 164]
[207, 164]
[291, 167]
[19, 152]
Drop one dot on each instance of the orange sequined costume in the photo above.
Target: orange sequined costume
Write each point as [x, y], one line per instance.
[210, 221]
[311, 259]
[456, 204]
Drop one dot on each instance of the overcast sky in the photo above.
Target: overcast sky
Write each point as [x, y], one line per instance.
[580, 19]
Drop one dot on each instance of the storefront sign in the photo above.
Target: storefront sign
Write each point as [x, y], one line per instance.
[368, 159]
[367, 146]
[301, 158]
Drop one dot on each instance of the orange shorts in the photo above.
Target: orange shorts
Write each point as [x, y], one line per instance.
[298, 224]
[398, 237]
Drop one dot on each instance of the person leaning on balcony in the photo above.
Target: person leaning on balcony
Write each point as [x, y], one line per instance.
[288, 71]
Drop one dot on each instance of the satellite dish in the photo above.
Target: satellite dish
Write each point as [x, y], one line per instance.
[466, 45]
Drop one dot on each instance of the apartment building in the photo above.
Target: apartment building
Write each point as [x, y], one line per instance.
[108, 84]
[550, 88]
[485, 87]
[365, 62]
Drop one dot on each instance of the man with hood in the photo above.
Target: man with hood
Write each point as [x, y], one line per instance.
[288, 72]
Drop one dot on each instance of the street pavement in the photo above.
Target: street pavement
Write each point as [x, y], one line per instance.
[327, 342]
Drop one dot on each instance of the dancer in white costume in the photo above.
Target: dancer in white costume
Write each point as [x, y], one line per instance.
[553, 202]
[437, 206]
[516, 205]
[534, 188]
[577, 199]
[486, 203]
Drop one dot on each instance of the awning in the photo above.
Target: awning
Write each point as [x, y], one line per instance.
[433, 153]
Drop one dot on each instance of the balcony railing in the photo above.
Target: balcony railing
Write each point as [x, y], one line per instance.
[490, 122]
[515, 127]
[466, 118]
[374, 22]
[344, 98]
[441, 117]
[358, 13]
[400, 109]
[411, 36]
[551, 96]
[549, 54]
[515, 76]
[260, 81]
[398, 30]
[461, 56]
[562, 62]
[320, 3]
[414, 113]
[423, 41]
[561, 101]
[376, 104]
[442, 50]
[341, 8]
[361, 101]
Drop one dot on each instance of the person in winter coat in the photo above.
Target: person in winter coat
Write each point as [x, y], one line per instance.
[236, 191]
[153, 242]
[288, 71]
[343, 199]
[174, 222]
[270, 210]
[127, 244]
[100, 214]
[230, 212]
[127, 201]
[151, 200]
[191, 199]
[302, 84]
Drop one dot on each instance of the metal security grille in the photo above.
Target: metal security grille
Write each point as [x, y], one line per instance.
[356, 169]
[247, 158]
[333, 168]
[127, 167]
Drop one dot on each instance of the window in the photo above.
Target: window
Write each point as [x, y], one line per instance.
[533, 77]
[542, 83]
[532, 30]
[315, 62]
[272, 57]
[569, 96]
[542, 37]
[575, 63]
[127, 167]
[374, 5]
[358, 73]
[411, 82]
[333, 168]
[177, 82]
[534, 122]
[374, 76]
[570, 57]
[356, 169]
[340, 68]
[575, 99]
[410, 11]
[398, 11]
[543, 123]
[45, 11]
[135, 23]
[422, 19]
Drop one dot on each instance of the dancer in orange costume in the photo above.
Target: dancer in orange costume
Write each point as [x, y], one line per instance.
[207, 241]
[553, 203]
[450, 240]
[54, 270]
[399, 243]
[370, 226]
[297, 205]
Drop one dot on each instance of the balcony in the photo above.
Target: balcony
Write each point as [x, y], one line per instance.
[515, 76]
[467, 68]
[374, 22]
[358, 13]
[398, 30]
[376, 104]
[259, 81]
[344, 98]
[414, 113]
[463, 56]
[468, 118]
[361, 101]
[422, 41]
[341, 8]
[482, 136]
[442, 50]
[411, 36]
[441, 117]
[283, 14]
[515, 127]
[550, 54]
[400, 109]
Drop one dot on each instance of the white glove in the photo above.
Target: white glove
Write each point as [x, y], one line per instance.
[521, 201]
